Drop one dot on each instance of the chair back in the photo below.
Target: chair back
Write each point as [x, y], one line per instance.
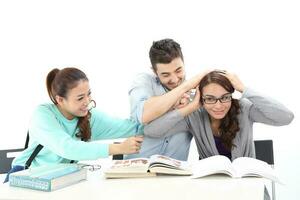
[264, 151]
[6, 160]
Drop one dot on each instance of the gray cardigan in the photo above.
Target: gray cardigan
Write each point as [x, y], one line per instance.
[254, 108]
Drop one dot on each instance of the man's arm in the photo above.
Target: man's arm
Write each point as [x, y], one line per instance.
[155, 107]
[172, 121]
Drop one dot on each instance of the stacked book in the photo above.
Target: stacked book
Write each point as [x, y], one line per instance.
[48, 178]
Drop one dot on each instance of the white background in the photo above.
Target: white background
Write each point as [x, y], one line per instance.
[110, 40]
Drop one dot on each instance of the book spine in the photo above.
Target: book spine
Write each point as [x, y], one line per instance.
[31, 183]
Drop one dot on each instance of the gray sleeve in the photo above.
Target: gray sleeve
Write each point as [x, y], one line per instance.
[266, 110]
[168, 124]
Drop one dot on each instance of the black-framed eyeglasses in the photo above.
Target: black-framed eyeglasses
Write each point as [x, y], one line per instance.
[209, 99]
[90, 167]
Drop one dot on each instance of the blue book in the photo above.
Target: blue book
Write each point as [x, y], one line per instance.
[48, 178]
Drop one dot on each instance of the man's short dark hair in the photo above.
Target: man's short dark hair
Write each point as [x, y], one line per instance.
[164, 51]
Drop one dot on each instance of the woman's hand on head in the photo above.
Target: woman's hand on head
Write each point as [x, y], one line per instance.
[235, 81]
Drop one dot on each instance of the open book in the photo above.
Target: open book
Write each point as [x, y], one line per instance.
[240, 167]
[142, 167]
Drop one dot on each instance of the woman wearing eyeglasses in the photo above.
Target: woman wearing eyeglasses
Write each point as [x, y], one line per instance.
[66, 130]
[220, 124]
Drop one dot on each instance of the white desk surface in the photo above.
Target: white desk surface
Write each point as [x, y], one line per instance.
[162, 187]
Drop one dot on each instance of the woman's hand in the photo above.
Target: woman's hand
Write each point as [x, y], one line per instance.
[182, 102]
[192, 106]
[129, 146]
[196, 104]
[235, 81]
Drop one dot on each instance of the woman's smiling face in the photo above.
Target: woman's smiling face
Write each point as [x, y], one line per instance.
[220, 108]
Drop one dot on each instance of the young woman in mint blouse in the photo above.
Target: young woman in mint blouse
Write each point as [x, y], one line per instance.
[68, 130]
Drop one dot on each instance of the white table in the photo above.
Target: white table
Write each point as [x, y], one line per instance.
[162, 187]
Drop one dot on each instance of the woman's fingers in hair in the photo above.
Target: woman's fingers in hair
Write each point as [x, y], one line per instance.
[233, 78]
[235, 81]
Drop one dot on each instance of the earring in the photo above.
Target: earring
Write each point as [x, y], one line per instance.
[92, 104]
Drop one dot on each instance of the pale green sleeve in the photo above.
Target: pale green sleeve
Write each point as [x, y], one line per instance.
[107, 127]
[47, 131]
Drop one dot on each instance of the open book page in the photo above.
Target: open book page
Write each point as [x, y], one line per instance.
[245, 166]
[213, 165]
[136, 165]
[167, 165]
[131, 168]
